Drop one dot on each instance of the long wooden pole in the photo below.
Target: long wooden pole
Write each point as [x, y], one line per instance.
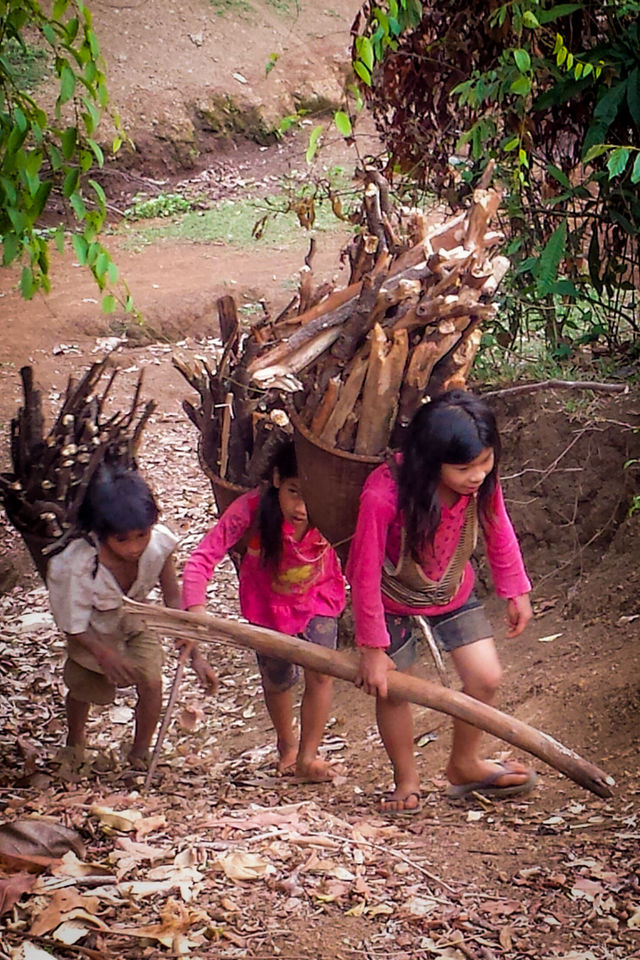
[209, 629]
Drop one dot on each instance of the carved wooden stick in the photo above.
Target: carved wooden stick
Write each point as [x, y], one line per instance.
[203, 627]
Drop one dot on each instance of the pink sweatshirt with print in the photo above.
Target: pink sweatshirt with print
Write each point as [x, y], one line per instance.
[378, 535]
[307, 583]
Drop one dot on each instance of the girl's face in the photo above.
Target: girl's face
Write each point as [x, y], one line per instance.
[292, 504]
[128, 546]
[466, 479]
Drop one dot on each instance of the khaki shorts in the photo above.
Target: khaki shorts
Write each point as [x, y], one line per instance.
[89, 686]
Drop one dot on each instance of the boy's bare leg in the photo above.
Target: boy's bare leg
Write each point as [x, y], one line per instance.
[148, 710]
[77, 716]
[395, 723]
[314, 713]
[280, 708]
[479, 669]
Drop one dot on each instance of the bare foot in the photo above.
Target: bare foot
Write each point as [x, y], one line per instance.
[286, 766]
[314, 771]
[139, 760]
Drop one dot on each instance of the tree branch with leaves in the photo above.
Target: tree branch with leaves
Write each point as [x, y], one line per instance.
[53, 153]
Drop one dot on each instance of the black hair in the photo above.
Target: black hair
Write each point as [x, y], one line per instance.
[269, 512]
[454, 427]
[117, 501]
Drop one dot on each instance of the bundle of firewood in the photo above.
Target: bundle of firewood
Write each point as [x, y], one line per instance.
[356, 361]
[43, 494]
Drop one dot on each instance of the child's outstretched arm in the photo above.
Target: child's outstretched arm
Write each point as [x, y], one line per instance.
[171, 595]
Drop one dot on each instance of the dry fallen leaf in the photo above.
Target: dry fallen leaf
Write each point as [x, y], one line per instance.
[244, 866]
[12, 888]
[124, 820]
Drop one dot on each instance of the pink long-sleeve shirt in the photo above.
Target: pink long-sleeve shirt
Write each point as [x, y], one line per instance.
[378, 535]
[308, 582]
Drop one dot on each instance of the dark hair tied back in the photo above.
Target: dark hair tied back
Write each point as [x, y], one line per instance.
[269, 513]
[455, 427]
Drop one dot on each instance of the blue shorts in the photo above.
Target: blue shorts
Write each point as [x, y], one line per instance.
[279, 675]
[454, 629]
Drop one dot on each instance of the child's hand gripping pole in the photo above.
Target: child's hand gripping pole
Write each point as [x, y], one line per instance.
[208, 629]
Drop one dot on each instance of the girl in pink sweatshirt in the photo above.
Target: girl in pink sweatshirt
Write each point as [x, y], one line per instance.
[290, 580]
[417, 528]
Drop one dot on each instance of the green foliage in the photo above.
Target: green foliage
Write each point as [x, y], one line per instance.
[41, 154]
[550, 93]
[162, 205]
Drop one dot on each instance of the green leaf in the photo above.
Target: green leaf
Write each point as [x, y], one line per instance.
[521, 86]
[70, 182]
[79, 208]
[109, 303]
[561, 10]
[364, 50]
[546, 271]
[117, 143]
[530, 20]
[558, 175]
[27, 283]
[81, 248]
[10, 248]
[633, 95]
[522, 59]
[596, 151]
[67, 83]
[618, 161]
[313, 142]
[59, 8]
[58, 238]
[511, 144]
[97, 152]
[607, 107]
[68, 142]
[102, 200]
[364, 74]
[343, 123]
[635, 173]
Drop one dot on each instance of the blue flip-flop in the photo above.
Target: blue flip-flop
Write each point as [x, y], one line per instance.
[489, 788]
[407, 811]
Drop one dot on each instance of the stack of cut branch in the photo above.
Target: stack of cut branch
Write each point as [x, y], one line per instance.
[406, 326]
[239, 424]
[43, 494]
[359, 360]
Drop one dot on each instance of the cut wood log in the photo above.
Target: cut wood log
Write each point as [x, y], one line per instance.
[347, 399]
[380, 396]
[327, 404]
[204, 628]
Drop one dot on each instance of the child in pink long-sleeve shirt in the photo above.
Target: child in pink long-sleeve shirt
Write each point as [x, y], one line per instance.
[417, 528]
[290, 580]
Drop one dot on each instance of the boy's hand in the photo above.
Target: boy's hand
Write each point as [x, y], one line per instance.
[116, 667]
[205, 673]
[373, 671]
[519, 613]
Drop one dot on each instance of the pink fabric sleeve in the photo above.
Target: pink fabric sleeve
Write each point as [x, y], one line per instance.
[503, 551]
[198, 570]
[366, 557]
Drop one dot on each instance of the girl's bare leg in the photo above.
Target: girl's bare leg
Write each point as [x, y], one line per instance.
[395, 723]
[77, 716]
[314, 713]
[480, 672]
[280, 709]
[148, 710]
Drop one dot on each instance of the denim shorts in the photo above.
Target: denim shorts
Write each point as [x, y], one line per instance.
[451, 630]
[279, 675]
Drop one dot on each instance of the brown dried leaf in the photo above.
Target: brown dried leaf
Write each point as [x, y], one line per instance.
[12, 888]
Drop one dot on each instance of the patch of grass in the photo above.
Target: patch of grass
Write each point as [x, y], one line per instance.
[237, 8]
[28, 65]
[233, 222]
[162, 205]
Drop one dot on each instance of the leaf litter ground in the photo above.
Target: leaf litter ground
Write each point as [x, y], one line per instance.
[220, 858]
